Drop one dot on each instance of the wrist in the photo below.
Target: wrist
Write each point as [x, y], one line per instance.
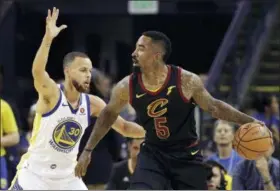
[266, 182]
[47, 40]
[265, 176]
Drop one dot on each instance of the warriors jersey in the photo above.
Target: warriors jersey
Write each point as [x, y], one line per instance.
[56, 137]
[166, 115]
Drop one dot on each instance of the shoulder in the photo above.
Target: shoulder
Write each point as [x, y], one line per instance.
[5, 105]
[275, 161]
[96, 104]
[190, 78]
[191, 83]
[124, 83]
[244, 166]
[95, 99]
[121, 89]
[212, 157]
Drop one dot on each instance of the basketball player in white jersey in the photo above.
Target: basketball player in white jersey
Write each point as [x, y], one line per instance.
[62, 114]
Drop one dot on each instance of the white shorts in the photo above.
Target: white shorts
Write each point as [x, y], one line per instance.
[27, 180]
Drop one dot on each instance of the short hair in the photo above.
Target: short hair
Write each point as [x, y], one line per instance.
[70, 57]
[219, 121]
[160, 37]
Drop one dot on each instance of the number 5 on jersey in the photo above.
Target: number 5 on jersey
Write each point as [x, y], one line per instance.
[156, 110]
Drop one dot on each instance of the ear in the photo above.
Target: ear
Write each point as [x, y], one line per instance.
[158, 56]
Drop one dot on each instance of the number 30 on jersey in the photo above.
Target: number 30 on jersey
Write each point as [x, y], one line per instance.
[156, 110]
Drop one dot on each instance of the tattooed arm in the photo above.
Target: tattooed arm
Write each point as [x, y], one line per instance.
[119, 98]
[193, 87]
[110, 113]
[125, 128]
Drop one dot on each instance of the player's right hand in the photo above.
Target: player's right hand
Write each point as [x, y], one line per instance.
[51, 29]
[83, 162]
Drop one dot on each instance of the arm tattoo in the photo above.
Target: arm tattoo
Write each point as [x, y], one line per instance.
[192, 86]
[101, 127]
[109, 114]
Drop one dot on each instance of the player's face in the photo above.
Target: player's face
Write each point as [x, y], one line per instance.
[79, 73]
[215, 182]
[135, 147]
[223, 134]
[144, 54]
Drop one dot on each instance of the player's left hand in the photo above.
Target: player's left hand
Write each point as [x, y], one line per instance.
[83, 162]
[259, 122]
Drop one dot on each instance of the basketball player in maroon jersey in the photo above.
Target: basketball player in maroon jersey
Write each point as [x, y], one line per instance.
[164, 97]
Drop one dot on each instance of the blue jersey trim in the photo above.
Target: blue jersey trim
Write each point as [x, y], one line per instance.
[56, 106]
[88, 108]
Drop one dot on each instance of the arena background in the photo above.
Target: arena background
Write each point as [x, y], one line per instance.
[233, 45]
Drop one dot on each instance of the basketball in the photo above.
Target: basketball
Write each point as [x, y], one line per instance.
[252, 140]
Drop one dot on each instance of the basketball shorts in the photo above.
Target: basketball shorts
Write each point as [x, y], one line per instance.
[175, 170]
[27, 180]
[3, 174]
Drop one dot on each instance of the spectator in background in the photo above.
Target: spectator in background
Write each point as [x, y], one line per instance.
[122, 171]
[223, 137]
[25, 136]
[268, 112]
[14, 153]
[216, 180]
[108, 149]
[262, 174]
[9, 137]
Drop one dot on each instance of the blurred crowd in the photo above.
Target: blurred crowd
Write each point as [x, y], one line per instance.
[114, 159]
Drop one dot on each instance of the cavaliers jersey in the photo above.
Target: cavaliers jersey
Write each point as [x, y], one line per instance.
[166, 115]
[56, 137]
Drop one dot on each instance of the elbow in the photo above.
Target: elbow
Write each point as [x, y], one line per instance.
[37, 71]
[15, 139]
[124, 130]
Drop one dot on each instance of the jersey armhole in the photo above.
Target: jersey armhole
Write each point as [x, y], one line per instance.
[179, 85]
[56, 106]
[130, 88]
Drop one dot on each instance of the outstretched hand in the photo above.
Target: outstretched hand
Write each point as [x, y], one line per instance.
[51, 29]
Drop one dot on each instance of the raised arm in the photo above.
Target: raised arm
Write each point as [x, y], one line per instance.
[193, 87]
[44, 85]
[119, 98]
[126, 128]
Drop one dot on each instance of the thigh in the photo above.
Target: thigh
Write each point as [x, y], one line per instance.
[149, 172]
[3, 174]
[26, 180]
[191, 176]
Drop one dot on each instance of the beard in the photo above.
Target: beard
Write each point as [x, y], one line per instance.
[79, 87]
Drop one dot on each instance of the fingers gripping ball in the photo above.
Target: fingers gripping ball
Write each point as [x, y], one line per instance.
[252, 140]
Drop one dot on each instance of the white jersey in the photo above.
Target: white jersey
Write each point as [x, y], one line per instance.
[55, 140]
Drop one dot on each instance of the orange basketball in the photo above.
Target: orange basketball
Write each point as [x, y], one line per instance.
[252, 140]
